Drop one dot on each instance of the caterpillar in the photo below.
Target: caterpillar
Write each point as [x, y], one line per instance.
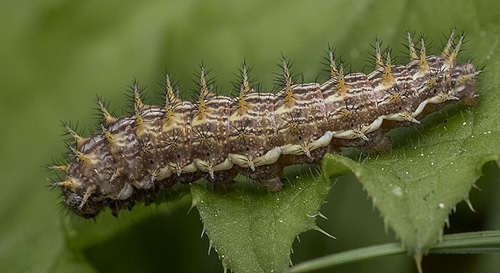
[256, 134]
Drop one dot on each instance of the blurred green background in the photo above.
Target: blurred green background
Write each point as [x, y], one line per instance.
[55, 56]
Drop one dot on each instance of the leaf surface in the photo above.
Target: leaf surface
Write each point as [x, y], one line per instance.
[253, 231]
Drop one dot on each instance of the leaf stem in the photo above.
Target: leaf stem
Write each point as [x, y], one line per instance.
[461, 243]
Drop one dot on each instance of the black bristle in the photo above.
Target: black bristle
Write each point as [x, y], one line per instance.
[279, 79]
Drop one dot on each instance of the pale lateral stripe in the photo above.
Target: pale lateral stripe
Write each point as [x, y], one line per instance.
[401, 117]
[191, 168]
[202, 165]
[374, 125]
[125, 192]
[292, 149]
[323, 141]
[269, 158]
[240, 160]
[146, 183]
[434, 100]
[297, 149]
[350, 134]
[225, 165]
[164, 172]
[420, 108]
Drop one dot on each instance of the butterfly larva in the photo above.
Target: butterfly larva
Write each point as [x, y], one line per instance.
[256, 134]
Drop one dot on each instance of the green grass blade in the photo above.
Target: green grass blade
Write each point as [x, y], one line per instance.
[462, 243]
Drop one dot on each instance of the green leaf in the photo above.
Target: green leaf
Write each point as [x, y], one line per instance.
[253, 231]
[419, 182]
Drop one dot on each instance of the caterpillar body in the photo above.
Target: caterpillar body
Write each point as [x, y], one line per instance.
[256, 134]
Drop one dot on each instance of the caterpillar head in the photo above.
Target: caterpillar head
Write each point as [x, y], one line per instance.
[82, 204]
